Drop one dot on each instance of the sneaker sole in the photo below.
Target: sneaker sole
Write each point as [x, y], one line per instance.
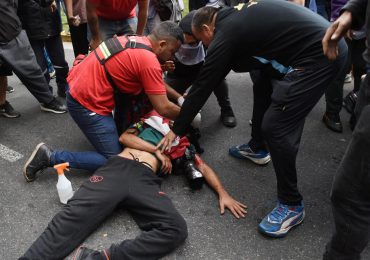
[282, 232]
[261, 161]
[9, 116]
[53, 111]
[29, 161]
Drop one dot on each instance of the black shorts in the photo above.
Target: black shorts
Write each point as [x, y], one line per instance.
[5, 69]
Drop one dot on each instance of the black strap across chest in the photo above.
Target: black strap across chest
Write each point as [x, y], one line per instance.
[111, 47]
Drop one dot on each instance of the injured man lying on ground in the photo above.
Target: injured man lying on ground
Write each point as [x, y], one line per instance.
[129, 181]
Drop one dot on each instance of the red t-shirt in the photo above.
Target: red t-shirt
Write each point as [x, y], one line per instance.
[115, 9]
[132, 70]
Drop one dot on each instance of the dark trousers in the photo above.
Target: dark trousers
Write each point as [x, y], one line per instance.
[121, 183]
[18, 55]
[355, 50]
[181, 84]
[355, 61]
[280, 123]
[54, 47]
[350, 194]
[79, 39]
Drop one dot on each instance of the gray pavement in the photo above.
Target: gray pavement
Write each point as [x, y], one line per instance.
[26, 208]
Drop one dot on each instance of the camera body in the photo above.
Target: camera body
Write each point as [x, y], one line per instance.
[186, 165]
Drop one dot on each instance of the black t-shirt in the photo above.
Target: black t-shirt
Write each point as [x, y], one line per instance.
[261, 34]
[10, 25]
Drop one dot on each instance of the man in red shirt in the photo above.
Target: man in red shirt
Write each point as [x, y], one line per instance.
[90, 99]
[115, 17]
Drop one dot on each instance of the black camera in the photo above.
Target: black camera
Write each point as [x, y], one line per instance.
[186, 165]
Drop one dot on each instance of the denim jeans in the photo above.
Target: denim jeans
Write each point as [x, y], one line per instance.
[100, 131]
[109, 28]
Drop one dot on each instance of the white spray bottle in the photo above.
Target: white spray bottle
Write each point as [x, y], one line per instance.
[64, 186]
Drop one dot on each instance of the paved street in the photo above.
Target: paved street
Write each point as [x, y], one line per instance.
[26, 208]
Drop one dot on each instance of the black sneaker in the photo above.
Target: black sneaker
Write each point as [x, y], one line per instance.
[8, 111]
[227, 117]
[9, 89]
[54, 106]
[84, 253]
[39, 159]
[332, 121]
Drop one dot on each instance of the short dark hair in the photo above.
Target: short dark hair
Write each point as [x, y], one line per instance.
[168, 31]
[202, 16]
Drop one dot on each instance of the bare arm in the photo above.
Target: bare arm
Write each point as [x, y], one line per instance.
[93, 21]
[172, 93]
[163, 106]
[130, 139]
[225, 200]
[142, 16]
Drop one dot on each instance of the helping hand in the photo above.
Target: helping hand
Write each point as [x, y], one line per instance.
[333, 34]
[166, 143]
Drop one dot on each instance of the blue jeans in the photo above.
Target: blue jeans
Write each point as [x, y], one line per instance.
[100, 131]
[109, 28]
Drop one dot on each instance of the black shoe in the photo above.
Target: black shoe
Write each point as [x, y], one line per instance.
[54, 107]
[39, 159]
[349, 102]
[227, 117]
[8, 111]
[332, 121]
[84, 253]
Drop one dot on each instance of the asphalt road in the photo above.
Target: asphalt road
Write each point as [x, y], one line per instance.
[26, 208]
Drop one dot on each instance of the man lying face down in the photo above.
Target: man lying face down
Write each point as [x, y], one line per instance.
[128, 181]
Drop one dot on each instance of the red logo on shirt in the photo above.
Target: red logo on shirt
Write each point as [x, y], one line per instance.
[96, 178]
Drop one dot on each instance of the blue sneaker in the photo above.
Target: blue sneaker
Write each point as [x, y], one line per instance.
[281, 219]
[242, 151]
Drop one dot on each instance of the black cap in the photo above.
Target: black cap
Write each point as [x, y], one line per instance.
[185, 23]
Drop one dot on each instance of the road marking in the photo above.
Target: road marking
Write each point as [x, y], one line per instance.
[9, 154]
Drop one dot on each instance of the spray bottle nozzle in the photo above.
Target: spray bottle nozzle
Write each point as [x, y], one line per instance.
[61, 167]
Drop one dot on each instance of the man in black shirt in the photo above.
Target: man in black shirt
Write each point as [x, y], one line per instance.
[283, 41]
[16, 53]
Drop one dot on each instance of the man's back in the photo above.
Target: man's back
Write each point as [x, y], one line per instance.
[132, 70]
[271, 29]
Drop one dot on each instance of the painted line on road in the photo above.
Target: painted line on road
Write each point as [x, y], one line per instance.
[9, 154]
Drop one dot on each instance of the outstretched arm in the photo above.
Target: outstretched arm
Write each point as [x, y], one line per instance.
[237, 208]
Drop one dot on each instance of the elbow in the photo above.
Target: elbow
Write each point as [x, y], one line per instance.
[168, 110]
[123, 138]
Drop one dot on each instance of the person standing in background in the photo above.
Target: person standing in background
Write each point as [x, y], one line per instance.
[77, 20]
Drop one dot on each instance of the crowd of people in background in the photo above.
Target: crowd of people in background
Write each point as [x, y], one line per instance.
[141, 75]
